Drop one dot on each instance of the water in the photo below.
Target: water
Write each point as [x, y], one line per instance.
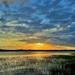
[36, 63]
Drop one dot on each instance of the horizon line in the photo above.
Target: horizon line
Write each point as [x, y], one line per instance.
[36, 50]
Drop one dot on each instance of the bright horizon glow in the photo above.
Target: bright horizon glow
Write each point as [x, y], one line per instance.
[39, 44]
[12, 44]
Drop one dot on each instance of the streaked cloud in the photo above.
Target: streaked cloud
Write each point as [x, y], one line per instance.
[49, 21]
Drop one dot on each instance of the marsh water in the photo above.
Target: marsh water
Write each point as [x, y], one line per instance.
[37, 63]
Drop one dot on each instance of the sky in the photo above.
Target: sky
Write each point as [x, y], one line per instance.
[37, 24]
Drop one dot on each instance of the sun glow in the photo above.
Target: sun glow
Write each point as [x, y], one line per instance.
[39, 44]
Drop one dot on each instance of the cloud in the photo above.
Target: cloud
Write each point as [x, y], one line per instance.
[49, 20]
[2, 19]
[7, 2]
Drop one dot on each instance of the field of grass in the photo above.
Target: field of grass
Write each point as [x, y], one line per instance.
[38, 65]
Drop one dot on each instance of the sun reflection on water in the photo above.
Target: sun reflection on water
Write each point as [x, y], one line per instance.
[33, 54]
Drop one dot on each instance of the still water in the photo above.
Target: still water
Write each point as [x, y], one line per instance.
[36, 63]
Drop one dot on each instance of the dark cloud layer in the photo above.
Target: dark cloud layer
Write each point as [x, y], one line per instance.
[57, 17]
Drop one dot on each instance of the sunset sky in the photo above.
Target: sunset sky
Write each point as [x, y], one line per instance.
[37, 24]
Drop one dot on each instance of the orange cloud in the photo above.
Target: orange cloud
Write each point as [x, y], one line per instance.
[13, 43]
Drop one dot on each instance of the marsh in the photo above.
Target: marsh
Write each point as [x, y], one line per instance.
[37, 63]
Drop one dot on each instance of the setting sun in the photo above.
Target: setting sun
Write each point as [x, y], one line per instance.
[39, 44]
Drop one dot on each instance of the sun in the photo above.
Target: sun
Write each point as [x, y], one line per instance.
[39, 44]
